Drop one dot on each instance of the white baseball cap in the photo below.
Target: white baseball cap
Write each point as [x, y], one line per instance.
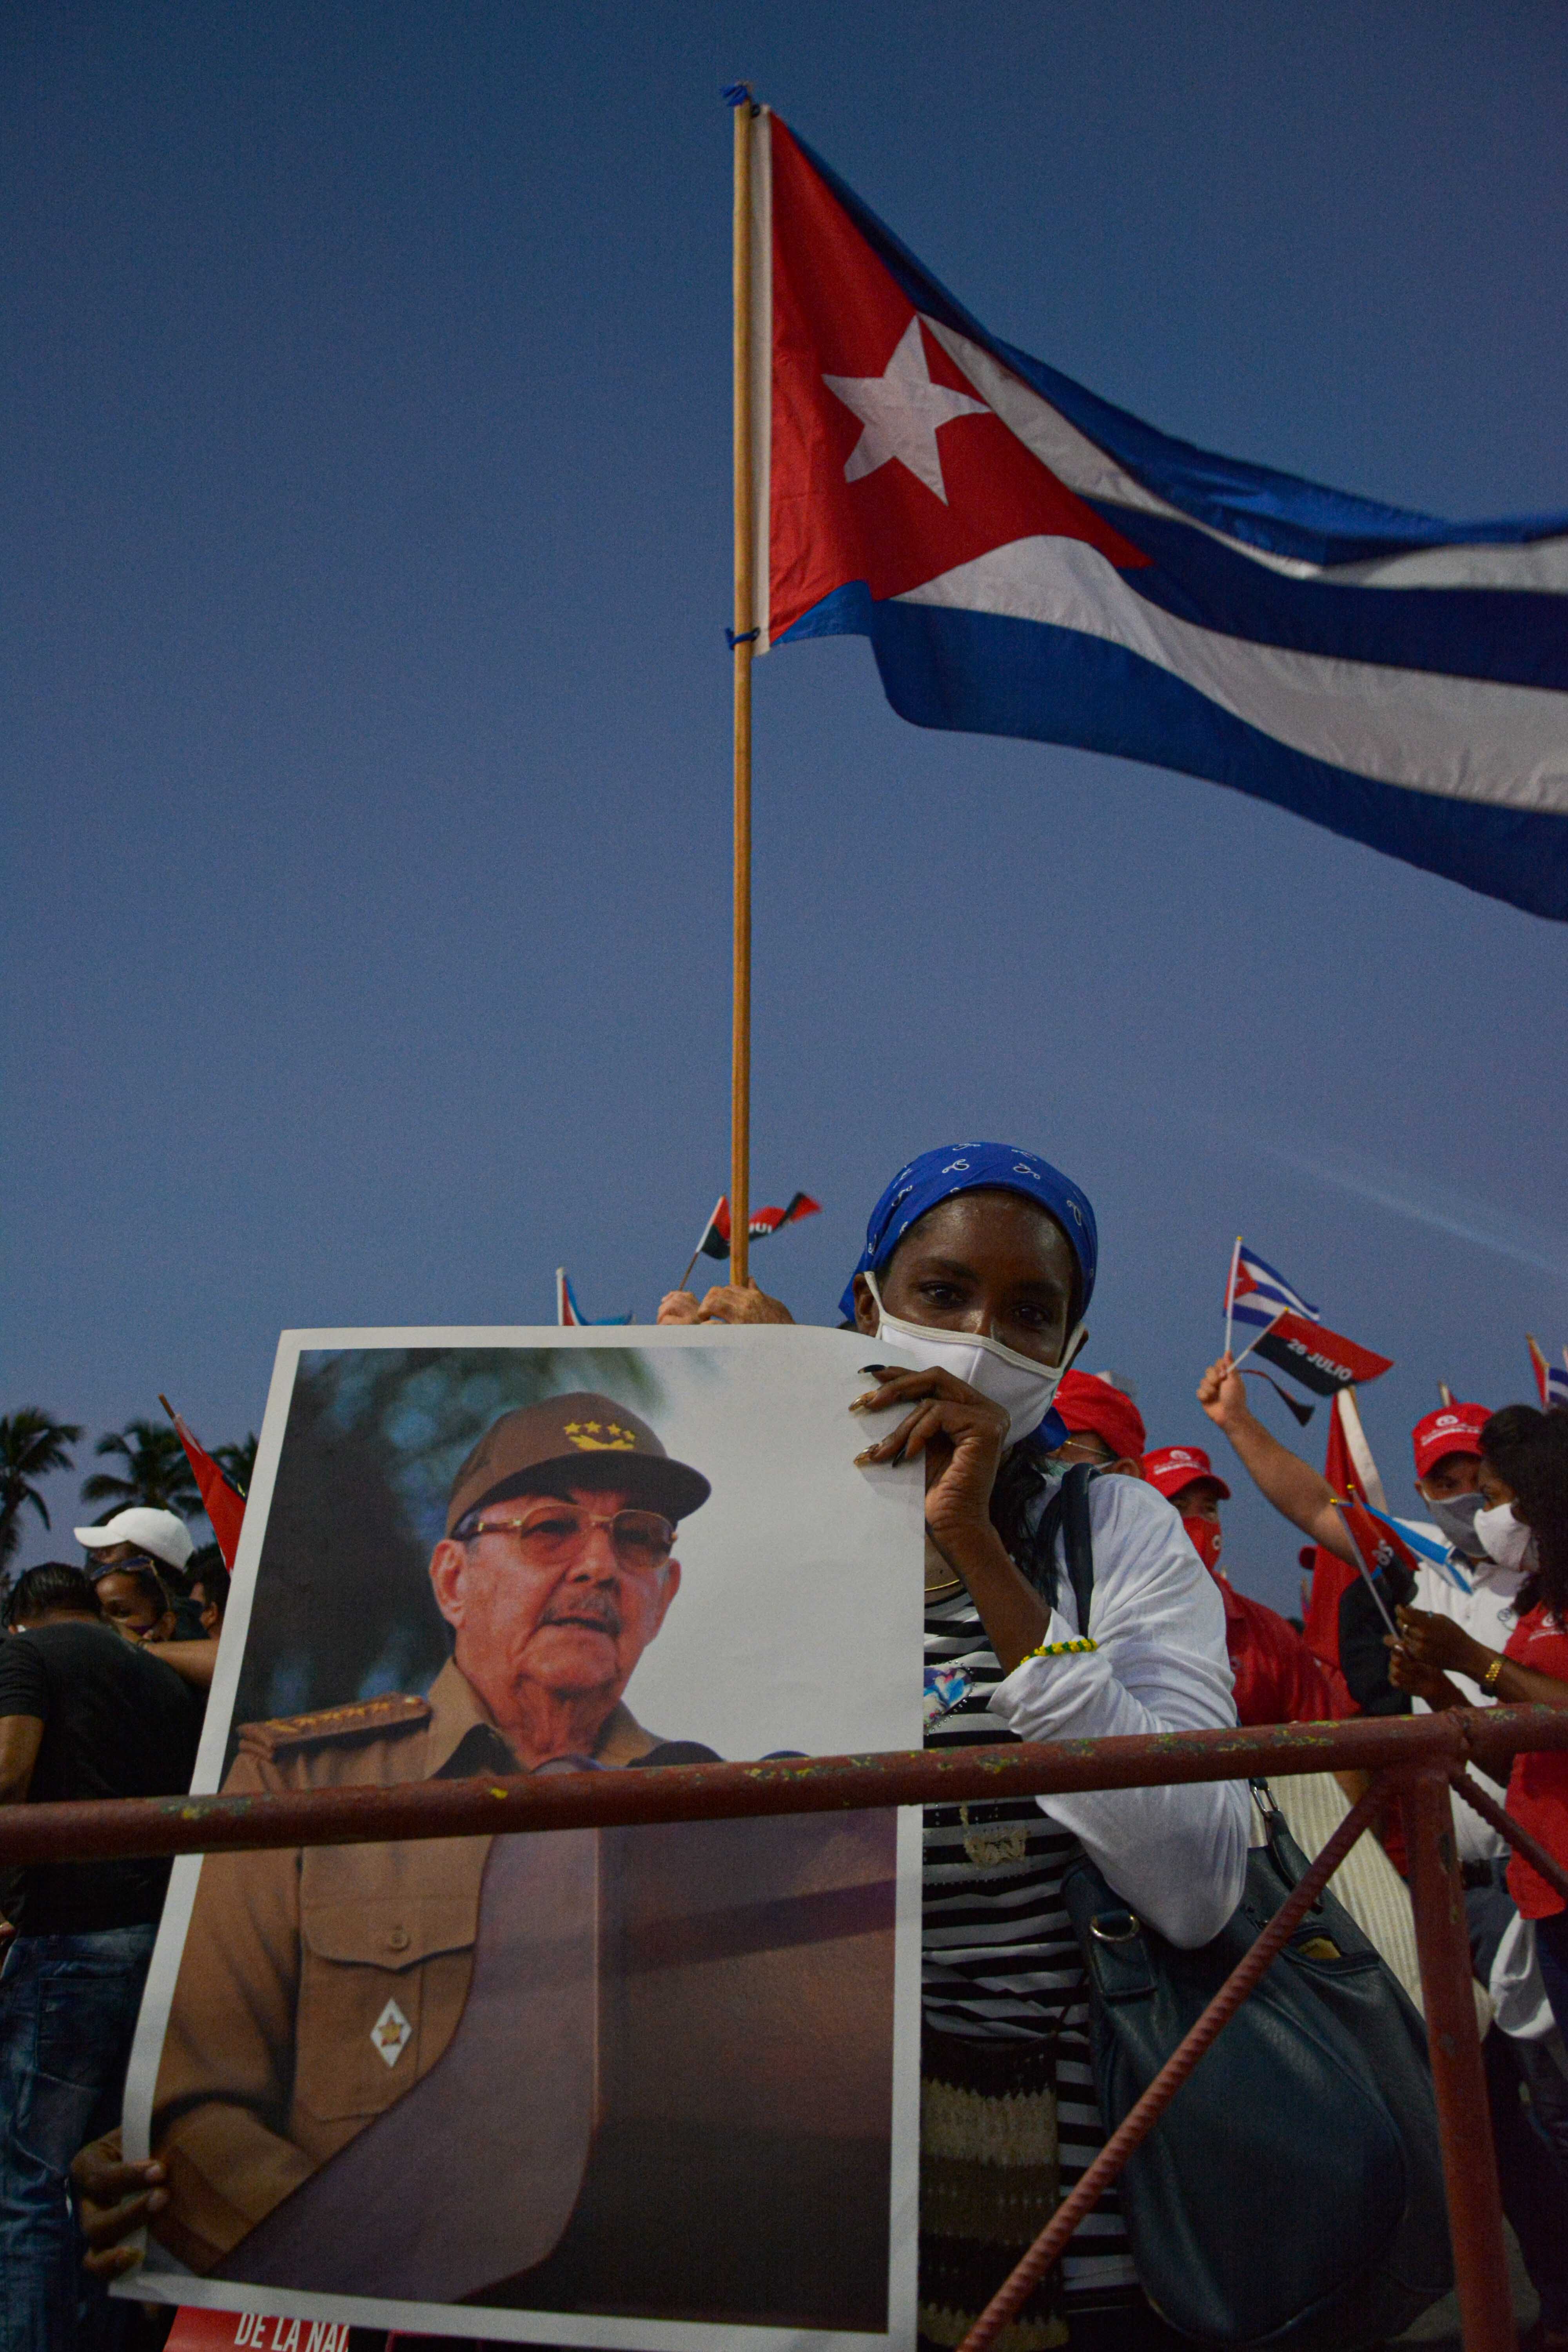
[164, 1534]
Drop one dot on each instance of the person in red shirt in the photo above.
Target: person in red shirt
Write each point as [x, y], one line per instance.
[1277, 1680]
[1522, 1523]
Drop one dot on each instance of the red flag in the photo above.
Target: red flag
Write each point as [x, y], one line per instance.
[1348, 1467]
[222, 1501]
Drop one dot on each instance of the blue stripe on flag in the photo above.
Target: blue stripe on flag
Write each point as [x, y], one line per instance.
[986, 674]
[1514, 636]
[1271, 1284]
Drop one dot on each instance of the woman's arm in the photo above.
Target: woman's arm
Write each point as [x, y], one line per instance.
[1176, 1855]
[1435, 1647]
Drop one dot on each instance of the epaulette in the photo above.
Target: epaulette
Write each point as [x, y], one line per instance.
[362, 1719]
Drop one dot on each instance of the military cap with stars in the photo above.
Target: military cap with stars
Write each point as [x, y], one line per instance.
[581, 1440]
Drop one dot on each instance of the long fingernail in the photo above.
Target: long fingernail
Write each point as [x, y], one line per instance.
[862, 1403]
[864, 1461]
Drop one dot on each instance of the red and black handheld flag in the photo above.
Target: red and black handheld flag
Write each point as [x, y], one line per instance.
[715, 1241]
[1322, 1360]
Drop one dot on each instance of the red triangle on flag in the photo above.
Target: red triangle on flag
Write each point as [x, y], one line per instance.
[841, 511]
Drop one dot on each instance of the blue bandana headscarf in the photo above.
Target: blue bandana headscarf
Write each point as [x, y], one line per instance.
[937, 1175]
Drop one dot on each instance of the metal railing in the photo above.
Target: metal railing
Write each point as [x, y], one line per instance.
[1417, 1759]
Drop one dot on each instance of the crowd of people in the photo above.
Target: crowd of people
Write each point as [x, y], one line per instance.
[977, 1277]
[980, 1263]
[104, 1676]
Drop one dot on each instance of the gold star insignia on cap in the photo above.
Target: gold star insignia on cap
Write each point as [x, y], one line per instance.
[600, 1437]
[391, 2034]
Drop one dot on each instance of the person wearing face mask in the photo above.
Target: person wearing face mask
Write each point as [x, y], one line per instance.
[1104, 1427]
[1277, 1680]
[1474, 1591]
[979, 1267]
[1523, 1523]
[1454, 1621]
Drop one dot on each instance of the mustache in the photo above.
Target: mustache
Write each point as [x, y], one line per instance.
[596, 1611]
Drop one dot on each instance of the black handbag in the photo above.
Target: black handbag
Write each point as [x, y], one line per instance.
[1291, 2195]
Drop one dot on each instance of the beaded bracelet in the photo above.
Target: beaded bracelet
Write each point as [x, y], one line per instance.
[1079, 1641]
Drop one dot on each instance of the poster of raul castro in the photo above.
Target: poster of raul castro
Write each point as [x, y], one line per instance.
[649, 2087]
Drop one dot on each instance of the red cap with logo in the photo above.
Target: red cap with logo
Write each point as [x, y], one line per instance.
[1172, 1468]
[1085, 1401]
[1456, 1429]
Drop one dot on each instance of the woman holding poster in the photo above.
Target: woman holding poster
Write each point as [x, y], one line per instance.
[978, 1269]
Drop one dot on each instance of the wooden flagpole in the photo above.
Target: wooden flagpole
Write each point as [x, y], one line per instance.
[741, 1052]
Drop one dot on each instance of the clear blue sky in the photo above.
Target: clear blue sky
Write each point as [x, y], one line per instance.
[364, 489]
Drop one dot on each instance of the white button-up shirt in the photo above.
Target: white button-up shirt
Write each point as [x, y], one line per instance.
[1175, 1855]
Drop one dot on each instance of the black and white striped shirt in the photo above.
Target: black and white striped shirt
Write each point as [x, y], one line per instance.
[998, 1955]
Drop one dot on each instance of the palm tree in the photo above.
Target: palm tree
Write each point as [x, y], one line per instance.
[32, 1445]
[237, 1463]
[156, 1471]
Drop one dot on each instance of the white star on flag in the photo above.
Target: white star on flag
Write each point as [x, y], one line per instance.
[902, 412]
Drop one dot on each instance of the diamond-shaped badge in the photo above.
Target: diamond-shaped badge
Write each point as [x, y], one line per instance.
[391, 2034]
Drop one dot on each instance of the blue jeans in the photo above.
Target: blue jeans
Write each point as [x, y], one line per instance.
[67, 2010]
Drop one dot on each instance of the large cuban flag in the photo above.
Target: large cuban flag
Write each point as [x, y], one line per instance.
[1029, 561]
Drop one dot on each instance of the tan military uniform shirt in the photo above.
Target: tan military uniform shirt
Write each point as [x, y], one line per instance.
[319, 1984]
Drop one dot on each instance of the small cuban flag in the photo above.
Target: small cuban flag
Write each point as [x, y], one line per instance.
[1550, 1380]
[1027, 560]
[569, 1315]
[1258, 1294]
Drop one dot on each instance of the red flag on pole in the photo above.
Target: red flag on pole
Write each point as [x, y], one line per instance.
[1348, 1467]
[221, 1499]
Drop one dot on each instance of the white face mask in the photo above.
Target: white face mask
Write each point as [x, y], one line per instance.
[1502, 1537]
[1022, 1388]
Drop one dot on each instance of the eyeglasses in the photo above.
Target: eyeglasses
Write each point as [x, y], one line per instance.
[642, 1540]
[1077, 1443]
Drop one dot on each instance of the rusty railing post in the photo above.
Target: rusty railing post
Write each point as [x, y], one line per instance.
[1458, 2073]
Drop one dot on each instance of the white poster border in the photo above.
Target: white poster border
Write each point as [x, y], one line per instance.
[598, 2329]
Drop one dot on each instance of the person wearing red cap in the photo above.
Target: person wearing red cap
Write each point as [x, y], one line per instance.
[1104, 1427]
[1448, 1450]
[1277, 1680]
[1479, 1598]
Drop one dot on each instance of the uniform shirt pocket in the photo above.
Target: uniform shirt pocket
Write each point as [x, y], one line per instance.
[382, 1984]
